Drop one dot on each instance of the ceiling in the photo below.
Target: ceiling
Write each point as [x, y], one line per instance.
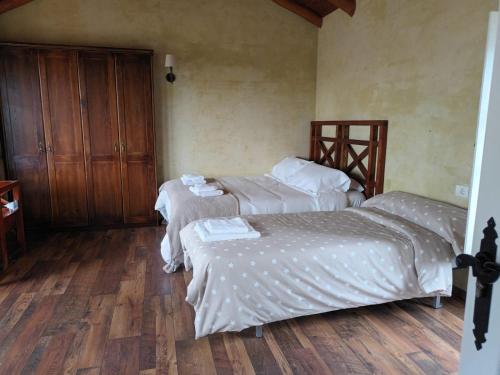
[314, 10]
[6, 5]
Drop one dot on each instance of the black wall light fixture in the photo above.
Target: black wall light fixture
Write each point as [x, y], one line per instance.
[169, 64]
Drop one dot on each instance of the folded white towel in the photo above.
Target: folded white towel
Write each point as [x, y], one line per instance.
[206, 236]
[189, 179]
[212, 193]
[229, 226]
[204, 187]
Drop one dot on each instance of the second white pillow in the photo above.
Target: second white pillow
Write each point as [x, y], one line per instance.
[288, 167]
[314, 179]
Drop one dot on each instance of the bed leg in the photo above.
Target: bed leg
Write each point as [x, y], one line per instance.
[258, 332]
[436, 302]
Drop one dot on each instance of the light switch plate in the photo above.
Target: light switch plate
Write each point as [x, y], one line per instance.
[462, 191]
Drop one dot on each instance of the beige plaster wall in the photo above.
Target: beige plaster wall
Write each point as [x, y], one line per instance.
[417, 64]
[245, 89]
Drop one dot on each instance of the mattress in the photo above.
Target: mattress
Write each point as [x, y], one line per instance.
[309, 263]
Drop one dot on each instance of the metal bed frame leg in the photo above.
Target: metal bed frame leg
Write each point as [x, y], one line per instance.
[258, 332]
[436, 302]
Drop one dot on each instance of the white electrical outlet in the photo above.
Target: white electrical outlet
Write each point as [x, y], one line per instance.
[462, 191]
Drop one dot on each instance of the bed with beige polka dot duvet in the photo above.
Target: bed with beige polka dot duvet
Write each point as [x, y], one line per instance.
[397, 246]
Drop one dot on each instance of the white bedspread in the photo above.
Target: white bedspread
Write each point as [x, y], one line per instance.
[266, 195]
[263, 194]
[311, 263]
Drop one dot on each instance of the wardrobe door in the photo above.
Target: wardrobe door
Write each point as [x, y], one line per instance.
[23, 130]
[101, 138]
[135, 116]
[63, 136]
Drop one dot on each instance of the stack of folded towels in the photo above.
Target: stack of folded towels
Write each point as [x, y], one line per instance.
[199, 187]
[191, 179]
[235, 228]
[205, 190]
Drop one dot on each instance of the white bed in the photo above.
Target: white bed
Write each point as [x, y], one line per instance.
[264, 194]
[315, 262]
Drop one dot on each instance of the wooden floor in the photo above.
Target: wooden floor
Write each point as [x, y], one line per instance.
[99, 302]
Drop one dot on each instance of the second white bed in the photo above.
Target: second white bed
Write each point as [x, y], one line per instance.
[315, 262]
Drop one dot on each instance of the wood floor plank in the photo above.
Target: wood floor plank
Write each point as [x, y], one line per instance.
[166, 355]
[113, 253]
[259, 353]
[237, 354]
[147, 355]
[183, 312]
[369, 348]
[99, 316]
[54, 354]
[277, 352]
[455, 306]
[73, 303]
[81, 329]
[433, 321]
[307, 344]
[127, 315]
[221, 360]
[445, 317]
[48, 285]
[11, 317]
[428, 341]
[89, 371]
[334, 351]
[14, 359]
[122, 357]
[195, 357]
[426, 364]
[35, 357]
[383, 326]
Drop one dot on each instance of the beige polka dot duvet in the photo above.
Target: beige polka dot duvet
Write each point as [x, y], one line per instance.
[310, 263]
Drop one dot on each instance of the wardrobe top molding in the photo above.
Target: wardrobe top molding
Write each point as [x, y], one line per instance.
[77, 48]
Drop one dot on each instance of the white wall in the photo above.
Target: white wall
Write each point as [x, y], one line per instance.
[485, 203]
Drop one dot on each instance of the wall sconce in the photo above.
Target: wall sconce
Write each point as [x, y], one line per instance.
[170, 63]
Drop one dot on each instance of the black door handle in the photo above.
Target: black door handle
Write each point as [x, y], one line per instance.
[487, 271]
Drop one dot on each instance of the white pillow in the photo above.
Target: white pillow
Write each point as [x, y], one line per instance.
[287, 167]
[314, 179]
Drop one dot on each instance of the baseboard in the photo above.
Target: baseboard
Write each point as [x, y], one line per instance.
[458, 292]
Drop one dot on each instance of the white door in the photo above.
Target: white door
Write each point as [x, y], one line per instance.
[485, 203]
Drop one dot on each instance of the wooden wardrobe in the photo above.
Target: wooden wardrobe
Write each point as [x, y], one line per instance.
[79, 133]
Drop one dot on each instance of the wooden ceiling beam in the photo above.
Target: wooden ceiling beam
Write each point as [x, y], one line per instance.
[6, 5]
[301, 11]
[348, 6]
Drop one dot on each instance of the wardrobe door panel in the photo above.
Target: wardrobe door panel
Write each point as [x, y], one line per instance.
[63, 134]
[101, 137]
[136, 137]
[23, 130]
[139, 203]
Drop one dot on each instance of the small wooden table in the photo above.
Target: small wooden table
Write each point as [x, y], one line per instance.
[11, 219]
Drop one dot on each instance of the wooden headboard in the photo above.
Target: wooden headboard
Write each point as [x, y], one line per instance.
[338, 151]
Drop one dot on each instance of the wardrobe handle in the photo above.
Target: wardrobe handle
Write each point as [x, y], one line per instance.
[116, 147]
[40, 147]
[123, 147]
[50, 149]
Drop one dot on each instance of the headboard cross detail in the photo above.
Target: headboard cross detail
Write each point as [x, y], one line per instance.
[338, 151]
